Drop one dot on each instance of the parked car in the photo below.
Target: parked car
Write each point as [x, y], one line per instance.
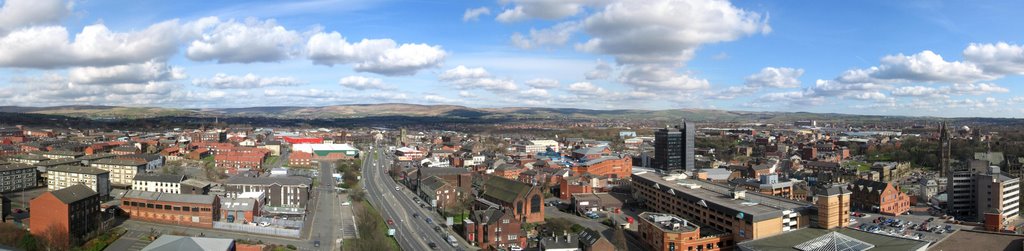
[432, 246]
[415, 215]
[429, 220]
[391, 221]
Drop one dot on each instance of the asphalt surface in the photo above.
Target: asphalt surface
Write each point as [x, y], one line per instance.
[411, 233]
[325, 221]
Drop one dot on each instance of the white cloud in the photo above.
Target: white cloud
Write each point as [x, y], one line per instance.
[244, 42]
[362, 83]
[474, 14]
[776, 78]
[389, 96]
[535, 93]
[312, 93]
[543, 9]
[476, 78]
[916, 91]
[130, 73]
[977, 89]
[999, 58]
[15, 14]
[666, 31]
[654, 78]
[48, 47]
[248, 81]
[587, 88]
[467, 94]
[556, 35]
[543, 83]
[601, 71]
[875, 95]
[925, 66]
[381, 56]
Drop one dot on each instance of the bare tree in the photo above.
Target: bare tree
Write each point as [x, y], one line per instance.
[56, 238]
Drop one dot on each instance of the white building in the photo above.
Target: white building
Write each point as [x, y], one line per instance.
[60, 177]
[122, 171]
[158, 182]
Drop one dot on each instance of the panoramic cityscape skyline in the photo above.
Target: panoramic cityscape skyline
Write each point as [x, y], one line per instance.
[905, 58]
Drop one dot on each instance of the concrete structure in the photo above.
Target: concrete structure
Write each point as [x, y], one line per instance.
[158, 182]
[72, 211]
[980, 240]
[673, 147]
[880, 197]
[61, 177]
[744, 215]
[178, 209]
[17, 177]
[997, 192]
[660, 231]
[768, 184]
[122, 171]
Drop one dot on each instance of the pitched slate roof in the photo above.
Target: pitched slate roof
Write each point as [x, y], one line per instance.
[170, 197]
[77, 169]
[73, 193]
[505, 190]
[432, 184]
[160, 177]
[284, 181]
[174, 243]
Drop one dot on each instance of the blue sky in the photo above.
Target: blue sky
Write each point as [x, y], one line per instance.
[926, 58]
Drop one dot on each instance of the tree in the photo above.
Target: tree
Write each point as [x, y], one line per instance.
[55, 238]
[356, 193]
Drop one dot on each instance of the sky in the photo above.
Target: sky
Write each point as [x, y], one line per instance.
[918, 58]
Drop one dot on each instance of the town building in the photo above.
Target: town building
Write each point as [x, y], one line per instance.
[880, 197]
[158, 182]
[17, 177]
[523, 201]
[122, 171]
[289, 191]
[300, 159]
[615, 167]
[235, 163]
[327, 151]
[833, 206]
[179, 209]
[168, 242]
[72, 211]
[494, 229]
[65, 176]
[438, 193]
[840, 239]
[768, 184]
[660, 231]
[743, 215]
[673, 147]
[997, 192]
[591, 240]
[239, 210]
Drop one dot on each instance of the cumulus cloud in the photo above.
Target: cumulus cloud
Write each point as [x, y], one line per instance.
[955, 89]
[535, 93]
[543, 83]
[151, 71]
[48, 47]
[998, 58]
[776, 78]
[438, 99]
[925, 66]
[54, 89]
[381, 56]
[666, 31]
[653, 78]
[556, 35]
[476, 78]
[474, 14]
[362, 83]
[247, 81]
[467, 94]
[543, 9]
[15, 14]
[244, 42]
[602, 70]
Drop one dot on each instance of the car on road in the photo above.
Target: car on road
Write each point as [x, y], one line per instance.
[316, 243]
[264, 224]
[429, 220]
[415, 215]
[391, 221]
[432, 246]
[398, 188]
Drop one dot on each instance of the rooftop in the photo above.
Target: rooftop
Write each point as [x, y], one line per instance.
[73, 193]
[753, 207]
[170, 197]
[14, 166]
[980, 240]
[669, 222]
[173, 242]
[160, 177]
[285, 181]
[77, 169]
[842, 239]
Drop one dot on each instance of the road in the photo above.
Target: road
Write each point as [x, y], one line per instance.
[325, 220]
[411, 233]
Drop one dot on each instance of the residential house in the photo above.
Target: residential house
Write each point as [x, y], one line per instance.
[17, 177]
[494, 229]
[122, 171]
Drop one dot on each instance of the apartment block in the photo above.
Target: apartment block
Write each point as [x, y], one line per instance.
[660, 231]
[122, 171]
[73, 211]
[17, 177]
[65, 176]
[158, 182]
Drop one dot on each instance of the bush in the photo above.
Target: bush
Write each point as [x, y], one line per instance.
[292, 247]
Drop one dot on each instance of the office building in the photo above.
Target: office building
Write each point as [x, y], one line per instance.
[833, 205]
[879, 197]
[673, 147]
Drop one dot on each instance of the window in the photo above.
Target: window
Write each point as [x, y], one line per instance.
[535, 204]
[158, 206]
[126, 203]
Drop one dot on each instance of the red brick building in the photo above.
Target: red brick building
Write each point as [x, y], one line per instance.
[297, 159]
[613, 167]
[232, 162]
[494, 229]
[72, 211]
[880, 197]
[571, 185]
[660, 231]
[524, 201]
[179, 209]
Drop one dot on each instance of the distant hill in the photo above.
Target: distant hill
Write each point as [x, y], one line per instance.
[463, 113]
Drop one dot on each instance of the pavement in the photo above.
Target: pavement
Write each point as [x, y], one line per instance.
[325, 218]
[411, 233]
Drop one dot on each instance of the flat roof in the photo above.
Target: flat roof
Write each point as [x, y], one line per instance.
[78, 169]
[980, 240]
[789, 240]
[754, 207]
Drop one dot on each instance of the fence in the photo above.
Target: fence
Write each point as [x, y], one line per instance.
[257, 229]
[292, 224]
